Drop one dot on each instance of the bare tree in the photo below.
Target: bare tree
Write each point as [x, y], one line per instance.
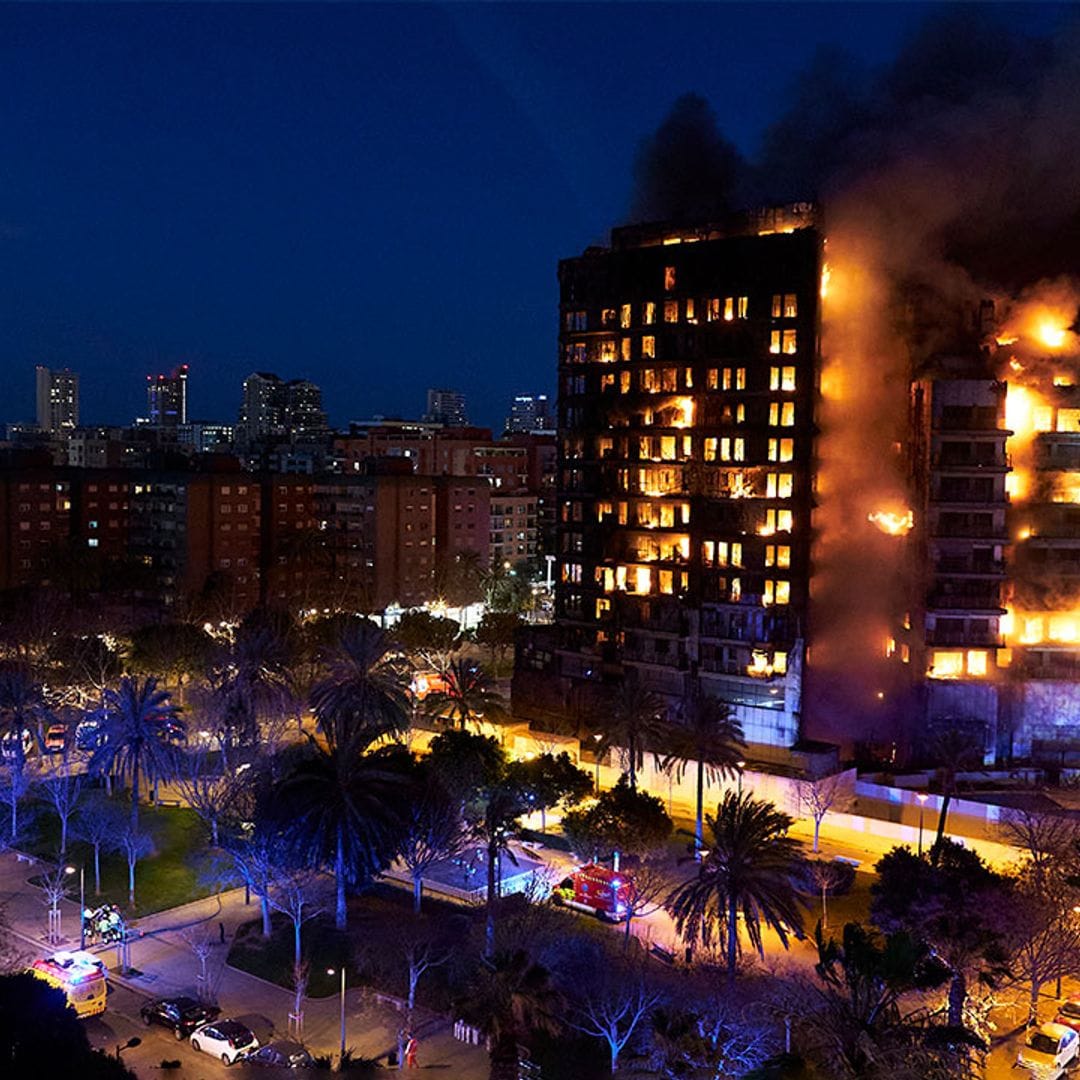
[54, 885]
[434, 830]
[826, 874]
[198, 940]
[63, 791]
[1048, 839]
[134, 843]
[647, 888]
[422, 951]
[300, 894]
[205, 788]
[818, 797]
[614, 1007]
[255, 864]
[300, 974]
[100, 822]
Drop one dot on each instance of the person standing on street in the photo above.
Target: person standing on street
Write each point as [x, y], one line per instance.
[411, 1047]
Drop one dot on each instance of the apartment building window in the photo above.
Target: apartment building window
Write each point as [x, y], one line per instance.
[624, 348]
[607, 351]
[607, 317]
[669, 278]
[781, 449]
[779, 485]
[742, 307]
[712, 380]
[782, 378]
[648, 347]
[712, 309]
[671, 311]
[782, 414]
[690, 311]
[624, 316]
[778, 555]
[648, 312]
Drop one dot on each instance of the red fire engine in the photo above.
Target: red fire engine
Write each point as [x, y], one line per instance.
[597, 890]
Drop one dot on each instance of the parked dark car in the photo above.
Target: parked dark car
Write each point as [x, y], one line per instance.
[283, 1054]
[181, 1015]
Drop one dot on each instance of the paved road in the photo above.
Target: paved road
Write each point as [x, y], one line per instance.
[166, 964]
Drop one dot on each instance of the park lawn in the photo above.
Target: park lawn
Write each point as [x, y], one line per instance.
[171, 875]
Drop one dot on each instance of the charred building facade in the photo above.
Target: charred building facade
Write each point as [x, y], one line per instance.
[687, 384]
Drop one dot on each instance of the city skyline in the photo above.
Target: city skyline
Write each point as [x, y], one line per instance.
[171, 201]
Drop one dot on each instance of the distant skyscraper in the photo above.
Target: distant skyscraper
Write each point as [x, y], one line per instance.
[530, 412]
[166, 398]
[446, 407]
[273, 408]
[57, 399]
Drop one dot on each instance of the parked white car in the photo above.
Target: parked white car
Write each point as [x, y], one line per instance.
[227, 1039]
[1049, 1050]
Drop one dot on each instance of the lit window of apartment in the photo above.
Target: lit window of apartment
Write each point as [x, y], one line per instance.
[624, 382]
[669, 277]
[648, 347]
[712, 312]
[624, 316]
[607, 351]
[607, 379]
[740, 378]
[624, 348]
[781, 378]
[791, 305]
[778, 555]
[779, 485]
[650, 383]
[736, 590]
[671, 311]
[712, 379]
[667, 581]
[782, 414]
[648, 313]
[742, 307]
[709, 449]
[669, 379]
[688, 378]
[607, 317]
[781, 449]
[690, 317]
[790, 346]
[774, 342]
[726, 381]
[729, 308]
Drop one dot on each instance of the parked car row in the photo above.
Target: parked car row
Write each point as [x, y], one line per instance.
[1050, 1050]
[227, 1039]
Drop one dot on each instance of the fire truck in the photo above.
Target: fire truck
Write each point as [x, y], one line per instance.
[80, 974]
[599, 891]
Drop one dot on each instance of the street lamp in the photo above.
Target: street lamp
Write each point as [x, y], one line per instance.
[596, 758]
[129, 1045]
[331, 971]
[922, 797]
[82, 902]
[740, 765]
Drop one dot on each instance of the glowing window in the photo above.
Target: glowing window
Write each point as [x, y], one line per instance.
[781, 449]
[789, 346]
[740, 378]
[648, 347]
[607, 317]
[791, 305]
[624, 316]
[607, 380]
[779, 663]
[782, 415]
[736, 589]
[777, 305]
[622, 513]
[667, 581]
[740, 414]
[667, 447]
[736, 555]
[709, 450]
[774, 378]
[946, 665]
[726, 382]
[712, 313]
[1068, 420]
[783, 556]
[669, 277]
[669, 379]
[976, 662]
[743, 307]
[624, 382]
[690, 311]
[642, 579]
[729, 308]
[649, 382]
[713, 380]
[774, 341]
[671, 311]
[624, 348]
[769, 595]
[688, 378]
[607, 351]
[787, 378]
[603, 606]
[1043, 418]
[783, 592]
[684, 513]
[725, 449]
[648, 313]
[708, 551]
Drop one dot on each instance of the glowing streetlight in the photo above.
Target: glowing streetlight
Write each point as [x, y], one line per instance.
[740, 765]
[331, 971]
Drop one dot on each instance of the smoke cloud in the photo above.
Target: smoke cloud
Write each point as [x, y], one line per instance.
[947, 177]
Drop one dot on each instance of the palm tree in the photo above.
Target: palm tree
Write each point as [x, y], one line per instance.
[22, 708]
[340, 806]
[710, 738]
[749, 869]
[468, 697]
[140, 727]
[513, 996]
[635, 724]
[955, 749]
[362, 688]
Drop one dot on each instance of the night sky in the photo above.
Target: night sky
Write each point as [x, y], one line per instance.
[373, 197]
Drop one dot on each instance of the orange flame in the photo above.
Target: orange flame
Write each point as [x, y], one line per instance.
[892, 523]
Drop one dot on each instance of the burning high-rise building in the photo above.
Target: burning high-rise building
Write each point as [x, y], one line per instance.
[688, 374]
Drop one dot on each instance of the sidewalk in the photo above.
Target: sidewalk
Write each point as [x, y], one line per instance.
[166, 965]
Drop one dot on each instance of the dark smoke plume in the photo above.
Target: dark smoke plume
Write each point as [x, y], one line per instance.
[950, 175]
[687, 171]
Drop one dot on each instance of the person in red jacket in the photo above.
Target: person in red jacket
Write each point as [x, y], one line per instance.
[411, 1046]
